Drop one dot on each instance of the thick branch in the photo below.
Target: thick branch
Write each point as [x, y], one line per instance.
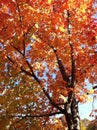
[68, 20]
[94, 87]
[73, 66]
[61, 67]
[62, 70]
[73, 70]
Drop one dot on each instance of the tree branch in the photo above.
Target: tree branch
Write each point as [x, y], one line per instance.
[61, 67]
[73, 70]
[24, 35]
[32, 73]
[94, 87]
[33, 116]
[20, 19]
[10, 60]
[23, 70]
[51, 101]
[59, 61]
[26, 72]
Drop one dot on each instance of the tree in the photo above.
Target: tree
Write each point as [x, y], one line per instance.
[48, 50]
[84, 124]
[92, 125]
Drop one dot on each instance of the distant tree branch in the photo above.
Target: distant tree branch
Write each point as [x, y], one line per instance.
[33, 116]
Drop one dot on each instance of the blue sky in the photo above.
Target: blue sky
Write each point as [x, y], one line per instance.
[86, 108]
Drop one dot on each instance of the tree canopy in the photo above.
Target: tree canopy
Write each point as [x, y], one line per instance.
[48, 50]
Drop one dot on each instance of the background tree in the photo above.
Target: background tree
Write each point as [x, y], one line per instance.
[84, 124]
[92, 125]
[48, 50]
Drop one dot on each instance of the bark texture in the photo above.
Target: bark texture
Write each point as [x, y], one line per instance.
[71, 113]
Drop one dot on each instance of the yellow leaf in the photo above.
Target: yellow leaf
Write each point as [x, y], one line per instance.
[35, 38]
[36, 25]
[30, 8]
[83, 8]
[96, 37]
[56, 120]
[49, 1]
[62, 97]
[89, 99]
[91, 91]
[38, 65]
[61, 28]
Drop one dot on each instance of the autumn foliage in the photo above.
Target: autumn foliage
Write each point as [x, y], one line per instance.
[48, 52]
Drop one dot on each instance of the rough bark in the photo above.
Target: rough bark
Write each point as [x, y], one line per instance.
[75, 114]
[72, 114]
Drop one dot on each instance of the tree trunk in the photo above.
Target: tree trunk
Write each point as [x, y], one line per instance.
[75, 114]
[71, 113]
